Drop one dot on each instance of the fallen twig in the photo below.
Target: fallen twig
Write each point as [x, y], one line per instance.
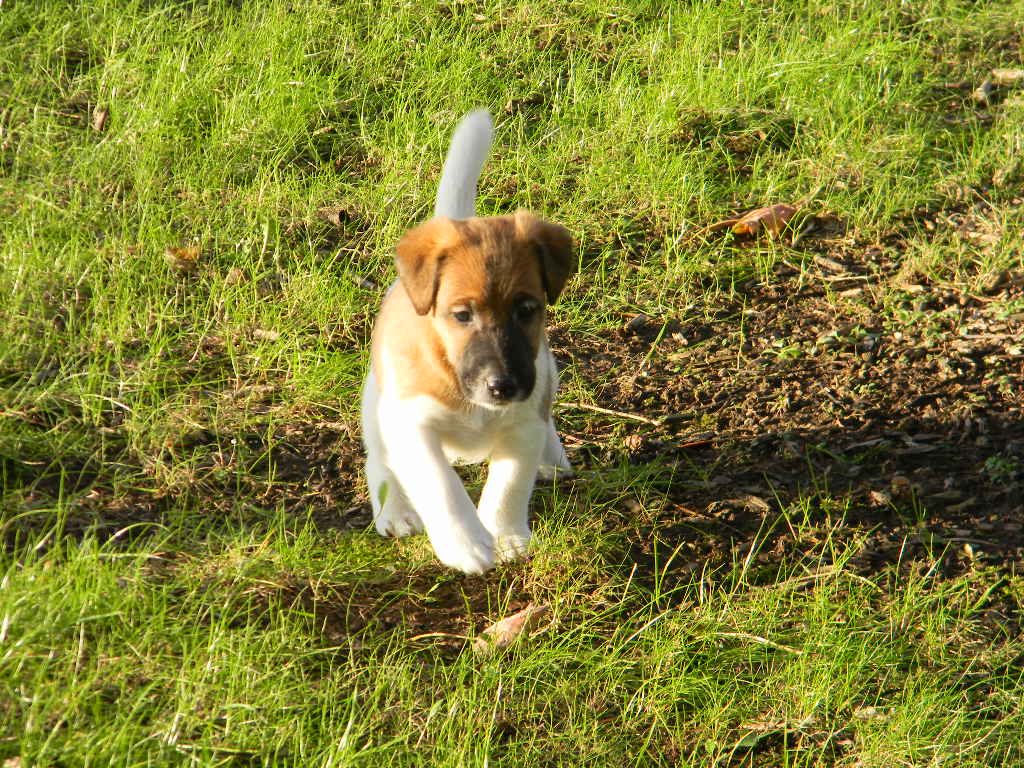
[762, 641]
[610, 412]
[432, 635]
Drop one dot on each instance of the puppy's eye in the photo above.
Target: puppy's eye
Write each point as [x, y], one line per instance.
[463, 316]
[526, 311]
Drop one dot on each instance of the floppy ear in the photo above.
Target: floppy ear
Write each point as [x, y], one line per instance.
[419, 256]
[554, 248]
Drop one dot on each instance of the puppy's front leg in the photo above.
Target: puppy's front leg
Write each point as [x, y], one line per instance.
[554, 464]
[505, 501]
[416, 459]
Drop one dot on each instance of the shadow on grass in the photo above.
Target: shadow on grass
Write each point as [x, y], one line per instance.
[785, 421]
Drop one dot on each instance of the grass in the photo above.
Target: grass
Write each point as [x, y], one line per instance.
[170, 592]
[116, 655]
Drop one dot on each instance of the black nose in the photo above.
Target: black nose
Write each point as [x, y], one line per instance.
[501, 387]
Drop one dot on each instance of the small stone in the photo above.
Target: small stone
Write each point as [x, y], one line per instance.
[637, 324]
[982, 95]
[880, 498]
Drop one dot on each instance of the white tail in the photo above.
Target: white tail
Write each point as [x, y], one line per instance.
[456, 195]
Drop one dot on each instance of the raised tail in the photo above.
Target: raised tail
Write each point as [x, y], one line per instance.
[456, 195]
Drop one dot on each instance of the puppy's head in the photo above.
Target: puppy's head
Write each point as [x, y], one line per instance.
[484, 284]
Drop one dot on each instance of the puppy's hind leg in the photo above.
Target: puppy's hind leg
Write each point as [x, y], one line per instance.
[554, 464]
[393, 515]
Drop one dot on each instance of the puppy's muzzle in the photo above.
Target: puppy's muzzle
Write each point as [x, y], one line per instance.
[497, 369]
[498, 389]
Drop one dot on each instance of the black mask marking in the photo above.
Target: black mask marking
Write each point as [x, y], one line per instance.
[497, 365]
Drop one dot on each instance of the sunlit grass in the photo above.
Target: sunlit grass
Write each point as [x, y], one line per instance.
[159, 605]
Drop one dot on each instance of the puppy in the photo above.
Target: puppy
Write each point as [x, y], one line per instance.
[460, 370]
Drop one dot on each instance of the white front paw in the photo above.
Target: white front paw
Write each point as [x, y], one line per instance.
[468, 550]
[511, 545]
[397, 517]
[549, 472]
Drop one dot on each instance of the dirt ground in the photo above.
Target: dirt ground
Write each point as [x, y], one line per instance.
[903, 424]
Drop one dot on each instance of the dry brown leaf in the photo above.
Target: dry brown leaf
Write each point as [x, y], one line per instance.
[1007, 77]
[752, 503]
[502, 634]
[1009, 174]
[183, 260]
[234, 276]
[771, 219]
[99, 119]
[265, 334]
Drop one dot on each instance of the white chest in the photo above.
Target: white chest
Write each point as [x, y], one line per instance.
[470, 437]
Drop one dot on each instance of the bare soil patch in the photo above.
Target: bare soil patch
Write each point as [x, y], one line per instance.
[902, 424]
